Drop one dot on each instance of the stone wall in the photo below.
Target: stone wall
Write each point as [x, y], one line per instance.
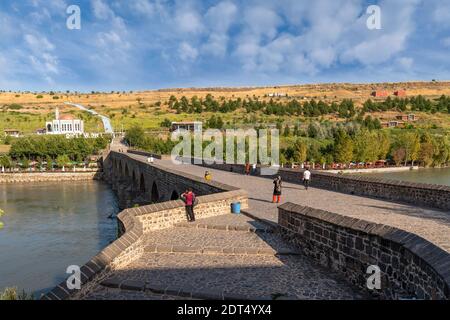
[428, 195]
[48, 176]
[411, 266]
[134, 223]
[138, 182]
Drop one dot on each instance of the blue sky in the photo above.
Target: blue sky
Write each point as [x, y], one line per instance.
[151, 44]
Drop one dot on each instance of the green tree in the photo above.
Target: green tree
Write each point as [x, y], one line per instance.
[63, 161]
[343, 147]
[135, 137]
[300, 151]
[6, 161]
[49, 161]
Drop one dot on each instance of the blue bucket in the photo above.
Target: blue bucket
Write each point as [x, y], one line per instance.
[236, 208]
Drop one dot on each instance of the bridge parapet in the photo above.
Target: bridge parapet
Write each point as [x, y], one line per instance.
[411, 267]
[419, 194]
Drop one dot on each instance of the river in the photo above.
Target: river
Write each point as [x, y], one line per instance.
[50, 226]
[430, 176]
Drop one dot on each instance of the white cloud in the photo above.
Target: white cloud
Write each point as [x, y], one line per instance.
[187, 52]
[219, 19]
[102, 10]
[405, 62]
[188, 21]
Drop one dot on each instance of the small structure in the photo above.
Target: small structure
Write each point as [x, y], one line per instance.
[65, 124]
[189, 126]
[400, 93]
[12, 133]
[277, 94]
[407, 117]
[379, 94]
[41, 131]
[392, 124]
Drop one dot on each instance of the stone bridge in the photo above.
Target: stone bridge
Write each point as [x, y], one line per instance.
[317, 245]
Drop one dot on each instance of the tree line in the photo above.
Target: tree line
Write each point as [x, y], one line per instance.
[52, 148]
[345, 109]
[339, 143]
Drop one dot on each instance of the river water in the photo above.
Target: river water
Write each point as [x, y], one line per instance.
[431, 176]
[50, 226]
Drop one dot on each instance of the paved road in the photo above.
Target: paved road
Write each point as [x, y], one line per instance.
[106, 121]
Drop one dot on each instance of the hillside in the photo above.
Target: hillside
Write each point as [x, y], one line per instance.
[29, 111]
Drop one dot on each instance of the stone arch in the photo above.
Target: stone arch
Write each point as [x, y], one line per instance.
[155, 193]
[142, 186]
[120, 172]
[175, 195]
[127, 172]
[134, 178]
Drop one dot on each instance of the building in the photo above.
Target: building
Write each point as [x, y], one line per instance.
[407, 117]
[12, 133]
[65, 124]
[393, 124]
[400, 93]
[379, 94]
[189, 126]
[277, 94]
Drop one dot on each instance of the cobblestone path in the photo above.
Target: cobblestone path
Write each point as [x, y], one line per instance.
[222, 257]
[433, 225]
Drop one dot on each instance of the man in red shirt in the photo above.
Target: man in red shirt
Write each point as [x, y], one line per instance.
[189, 199]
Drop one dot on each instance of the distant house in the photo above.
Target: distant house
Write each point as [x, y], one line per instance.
[380, 93]
[277, 94]
[12, 133]
[392, 124]
[400, 93]
[188, 126]
[407, 117]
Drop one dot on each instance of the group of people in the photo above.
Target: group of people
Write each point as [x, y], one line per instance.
[250, 169]
[190, 200]
[278, 185]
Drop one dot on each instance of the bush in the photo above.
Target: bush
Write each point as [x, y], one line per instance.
[11, 294]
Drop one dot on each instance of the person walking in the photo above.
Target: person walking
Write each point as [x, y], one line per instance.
[247, 169]
[151, 160]
[208, 176]
[254, 169]
[189, 201]
[306, 178]
[277, 190]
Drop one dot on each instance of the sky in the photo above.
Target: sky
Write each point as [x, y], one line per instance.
[153, 44]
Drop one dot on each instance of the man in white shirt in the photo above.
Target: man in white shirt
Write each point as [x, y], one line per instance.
[306, 178]
[151, 159]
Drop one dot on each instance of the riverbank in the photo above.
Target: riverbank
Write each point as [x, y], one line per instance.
[26, 177]
[439, 176]
[374, 170]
